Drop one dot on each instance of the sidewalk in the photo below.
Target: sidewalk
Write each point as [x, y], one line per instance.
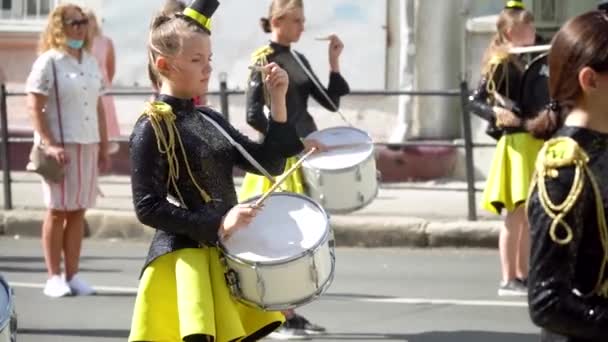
[430, 214]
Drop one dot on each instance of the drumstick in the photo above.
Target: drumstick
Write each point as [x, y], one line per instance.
[529, 49]
[341, 146]
[282, 179]
[256, 68]
[323, 38]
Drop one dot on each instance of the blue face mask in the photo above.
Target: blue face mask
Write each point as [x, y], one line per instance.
[75, 43]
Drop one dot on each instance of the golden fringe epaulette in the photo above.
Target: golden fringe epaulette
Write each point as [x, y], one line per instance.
[566, 152]
[261, 54]
[260, 57]
[496, 61]
[499, 58]
[159, 113]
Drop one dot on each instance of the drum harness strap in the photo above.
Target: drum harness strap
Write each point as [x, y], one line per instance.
[319, 86]
[240, 148]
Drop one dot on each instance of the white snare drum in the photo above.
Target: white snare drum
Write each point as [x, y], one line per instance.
[8, 318]
[284, 258]
[344, 179]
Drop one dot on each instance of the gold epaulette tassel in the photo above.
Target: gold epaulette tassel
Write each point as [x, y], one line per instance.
[161, 114]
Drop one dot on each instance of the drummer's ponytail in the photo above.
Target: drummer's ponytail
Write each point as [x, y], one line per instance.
[582, 42]
[265, 24]
[547, 121]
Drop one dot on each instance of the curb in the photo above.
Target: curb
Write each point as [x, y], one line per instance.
[349, 231]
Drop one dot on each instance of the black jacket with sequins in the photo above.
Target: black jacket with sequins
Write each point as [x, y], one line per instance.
[563, 276]
[300, 89]
[211, 158]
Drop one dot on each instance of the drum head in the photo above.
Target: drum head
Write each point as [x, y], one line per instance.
[535, 87]
[288, 226]
[342, 158]
[5, 303]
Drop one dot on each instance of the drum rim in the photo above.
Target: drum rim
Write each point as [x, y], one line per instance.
[306, 163]
[10, 308]
[359, 207]
[281, 307]
[372, 156]
[317, 294]
[313, 249]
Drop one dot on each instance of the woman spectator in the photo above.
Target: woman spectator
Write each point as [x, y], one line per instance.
[73, 132]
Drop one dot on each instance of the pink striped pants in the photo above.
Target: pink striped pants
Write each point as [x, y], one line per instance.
[79, 188]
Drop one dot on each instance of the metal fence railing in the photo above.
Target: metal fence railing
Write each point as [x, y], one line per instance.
[224, 94]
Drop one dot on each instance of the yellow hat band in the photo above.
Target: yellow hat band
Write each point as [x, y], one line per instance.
[199, 18]
[516, 4]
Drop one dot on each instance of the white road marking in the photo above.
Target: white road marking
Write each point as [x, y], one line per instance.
[335, 297]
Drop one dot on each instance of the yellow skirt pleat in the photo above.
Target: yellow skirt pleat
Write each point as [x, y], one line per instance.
[184, 293]
[255, 185]
[511, 172]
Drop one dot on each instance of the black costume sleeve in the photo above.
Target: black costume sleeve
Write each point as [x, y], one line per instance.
[255, 103]
[337, 88]
[279, 143]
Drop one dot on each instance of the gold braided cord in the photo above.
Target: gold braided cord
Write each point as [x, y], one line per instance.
[491, 84]
[260, 58]
[263, 61]
[159, 114]
[560, 152]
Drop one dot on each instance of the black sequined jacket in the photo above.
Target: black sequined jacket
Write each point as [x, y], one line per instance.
[506, 80]
[211, 158]
[563, 276]
[300, 89]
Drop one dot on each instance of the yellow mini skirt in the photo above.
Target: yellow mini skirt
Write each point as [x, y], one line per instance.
[255, 185]
[511, 172]
[184, 293]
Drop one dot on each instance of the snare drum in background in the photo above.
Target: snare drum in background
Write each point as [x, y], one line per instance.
[344, 179]
[284, 258]
[8, 318]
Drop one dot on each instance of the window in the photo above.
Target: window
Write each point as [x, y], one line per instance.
[548, 12]
[26, 9]
[38, 7]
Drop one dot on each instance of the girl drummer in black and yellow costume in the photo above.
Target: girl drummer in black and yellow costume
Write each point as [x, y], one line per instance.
[175, 151]
[513, 163]
[568, 283]
[285, 23]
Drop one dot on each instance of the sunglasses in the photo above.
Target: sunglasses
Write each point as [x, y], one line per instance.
[76, 23]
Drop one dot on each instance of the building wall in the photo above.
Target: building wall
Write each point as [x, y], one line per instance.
[17, 53]
[237, 34]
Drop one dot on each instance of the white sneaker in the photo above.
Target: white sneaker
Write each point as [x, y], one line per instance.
[80, 287]
[56, 287]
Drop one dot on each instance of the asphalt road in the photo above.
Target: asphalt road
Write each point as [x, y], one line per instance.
[378, 295]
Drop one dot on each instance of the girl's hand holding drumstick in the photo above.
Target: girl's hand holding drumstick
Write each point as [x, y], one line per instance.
[310, 144]
[282, 179]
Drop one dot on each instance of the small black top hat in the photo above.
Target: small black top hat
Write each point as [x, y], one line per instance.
[201, 12]
[514, 4]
